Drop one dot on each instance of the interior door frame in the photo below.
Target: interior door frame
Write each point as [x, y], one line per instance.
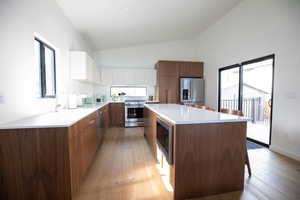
[240, 103]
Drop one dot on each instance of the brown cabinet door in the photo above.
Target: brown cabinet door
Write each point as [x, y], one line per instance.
[191, 69]
[146, 123]
[75, 157]
[167, 68]
[106, 116]
[168, 90]
[93, 141]
[88, 145]
[99, 124]
[117, 114]
[163, 94]
[150, 129]
[168, 74]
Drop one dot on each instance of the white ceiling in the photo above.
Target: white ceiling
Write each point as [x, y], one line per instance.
[121, 23]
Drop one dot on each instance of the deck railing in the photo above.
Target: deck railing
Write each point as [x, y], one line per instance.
[254, 108]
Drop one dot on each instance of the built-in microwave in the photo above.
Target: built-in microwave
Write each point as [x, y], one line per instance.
[164, 137]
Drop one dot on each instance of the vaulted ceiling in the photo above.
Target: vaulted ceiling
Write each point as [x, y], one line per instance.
[121, 23]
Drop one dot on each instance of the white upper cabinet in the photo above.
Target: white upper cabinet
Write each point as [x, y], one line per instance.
[117, 76]
[83, 67]
[97, 75]
[150, 77]
[106, 77]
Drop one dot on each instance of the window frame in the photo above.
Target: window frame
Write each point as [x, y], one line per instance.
[128, 86]
[43, 86]
[240, 85]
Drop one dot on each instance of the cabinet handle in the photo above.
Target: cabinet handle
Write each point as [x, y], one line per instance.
[92, 121]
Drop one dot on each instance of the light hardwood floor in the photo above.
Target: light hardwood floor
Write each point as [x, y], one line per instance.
[125, 169]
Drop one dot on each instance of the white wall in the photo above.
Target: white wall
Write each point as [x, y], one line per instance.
[144, 56]
[19, 20]
[253, 29]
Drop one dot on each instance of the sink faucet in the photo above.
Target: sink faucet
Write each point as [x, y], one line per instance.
[56, 107]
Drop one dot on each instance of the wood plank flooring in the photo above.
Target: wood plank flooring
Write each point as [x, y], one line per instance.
[125, 169]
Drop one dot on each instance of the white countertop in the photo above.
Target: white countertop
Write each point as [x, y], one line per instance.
[181, 114]
[152, 101]
[62, 118]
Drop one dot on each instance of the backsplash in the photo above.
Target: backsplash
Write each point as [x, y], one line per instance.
[105, 90]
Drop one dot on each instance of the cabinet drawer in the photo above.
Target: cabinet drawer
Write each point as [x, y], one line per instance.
[85, 122]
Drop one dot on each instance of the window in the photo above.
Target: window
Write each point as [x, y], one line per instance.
[130, 91]
[45, 61]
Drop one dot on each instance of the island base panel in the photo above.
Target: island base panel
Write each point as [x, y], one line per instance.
[209, 159]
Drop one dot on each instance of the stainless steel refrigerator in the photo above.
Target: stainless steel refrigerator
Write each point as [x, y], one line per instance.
[192, 90]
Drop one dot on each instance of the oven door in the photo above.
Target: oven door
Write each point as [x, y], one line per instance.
[134, 115]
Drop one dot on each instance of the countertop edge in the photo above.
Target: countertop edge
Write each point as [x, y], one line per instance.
[163, 116]
[194, 122]
[66, 125]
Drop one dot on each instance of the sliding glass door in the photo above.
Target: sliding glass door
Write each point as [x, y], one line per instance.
[257, 97]
[249, 87]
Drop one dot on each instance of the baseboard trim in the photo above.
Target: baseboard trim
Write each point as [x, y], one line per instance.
[285, 153]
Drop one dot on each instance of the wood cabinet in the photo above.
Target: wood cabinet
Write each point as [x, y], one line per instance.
[168, 89]
[85, 137]
[106, 116]
[75, 157]
[88, 144]
[34, 164]
[190, 69]
[167, 82]
[83, 145]
[117, 114]
[150, 135]
[48, 163]
[150, 129]
[167, 68]
[102, 122]
[168, 77]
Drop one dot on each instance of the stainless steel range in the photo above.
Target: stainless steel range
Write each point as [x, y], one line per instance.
[134, 113]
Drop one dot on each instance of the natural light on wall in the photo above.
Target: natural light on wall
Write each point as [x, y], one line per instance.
[130, 91]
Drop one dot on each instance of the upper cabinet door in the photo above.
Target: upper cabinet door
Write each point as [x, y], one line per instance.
[150, 77]
[79, 65]
[90, 69]
[128, 76]
[106, 77]
[190, 69]
[97, 75]
[167, 68]
[82, 67]
[118, 77]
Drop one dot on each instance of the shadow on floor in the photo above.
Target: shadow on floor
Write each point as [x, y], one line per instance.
[252, 145]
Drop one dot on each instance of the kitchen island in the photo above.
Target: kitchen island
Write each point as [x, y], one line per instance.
[206, 150]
